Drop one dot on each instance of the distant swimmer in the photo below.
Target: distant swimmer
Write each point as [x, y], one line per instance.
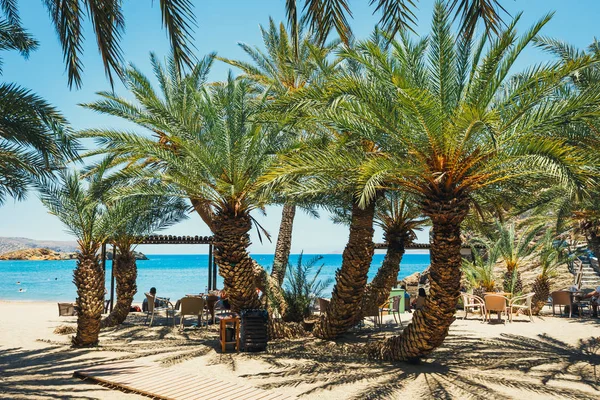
[18, 282]
[55, 279]
[22, 290]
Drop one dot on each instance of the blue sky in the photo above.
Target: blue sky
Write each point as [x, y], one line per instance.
[221, 25]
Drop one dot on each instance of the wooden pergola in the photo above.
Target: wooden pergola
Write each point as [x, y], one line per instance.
[165, 239]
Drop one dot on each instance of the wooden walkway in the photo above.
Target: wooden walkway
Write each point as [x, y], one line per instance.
[166, 383]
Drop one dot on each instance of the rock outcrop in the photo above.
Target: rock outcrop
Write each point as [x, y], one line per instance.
[42, 254]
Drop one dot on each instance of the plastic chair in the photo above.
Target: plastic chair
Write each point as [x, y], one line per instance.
[471, 301]
[495, 303]
[191, 305]
[394, 310]
[153, 308]
[562, 298]
[521, 303]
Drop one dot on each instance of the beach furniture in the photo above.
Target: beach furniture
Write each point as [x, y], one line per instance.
[231, 324]
[373, 312]
[394, 309]
[562, 298]
[495, 303]
[323, 305]
[66, 309]
[521, 303]
[153, 308]
[471, 301]
[191, 305]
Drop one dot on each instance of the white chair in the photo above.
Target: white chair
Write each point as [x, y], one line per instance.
[165, 306]
[521, 303]
[471, 301]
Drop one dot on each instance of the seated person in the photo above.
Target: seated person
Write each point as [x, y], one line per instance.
[595, 295]
[419, 302]
[158, 301]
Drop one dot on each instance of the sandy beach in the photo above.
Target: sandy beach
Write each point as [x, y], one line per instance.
[539, 360]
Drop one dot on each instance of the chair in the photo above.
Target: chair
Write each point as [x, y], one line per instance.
[211, 301]
[323, 305]
[153, 308]
[394, 310]
[495, 303]
[191, 305]
[562, 298]
[471, 301]
[372, 312]
[521, 303]
[66, 309]
[583, 304]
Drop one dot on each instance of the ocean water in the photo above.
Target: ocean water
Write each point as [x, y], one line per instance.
[173, 275]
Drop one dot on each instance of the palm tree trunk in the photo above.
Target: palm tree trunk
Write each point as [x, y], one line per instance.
[378, 291]
[89, 279]
[429, 326]
[351, 278]
[125, 276]
[231, 241]
[284, 242]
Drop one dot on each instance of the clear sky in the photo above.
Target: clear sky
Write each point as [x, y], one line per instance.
[221, 25]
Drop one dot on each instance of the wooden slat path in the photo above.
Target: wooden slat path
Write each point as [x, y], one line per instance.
[166, 383]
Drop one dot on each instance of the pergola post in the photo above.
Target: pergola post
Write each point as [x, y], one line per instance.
[112, 279]
[210, 267]
[103, 258]
[214, 271]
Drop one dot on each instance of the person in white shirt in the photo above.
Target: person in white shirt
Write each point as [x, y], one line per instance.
[595, 295]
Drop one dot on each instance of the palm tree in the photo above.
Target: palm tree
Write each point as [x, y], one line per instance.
[205, 148]
[134, 218]
[35, 136]
[396, 15]
[328, 170]
[550, 259]
[399, 217]
[288, 63]
[81, 211]
[108, 23]
[513, 250]
[581, 206]
[480, 271]
[452, 124]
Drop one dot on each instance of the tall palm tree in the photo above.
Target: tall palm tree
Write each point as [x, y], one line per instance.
[396, 15]
[134, 218]
[108, 23]
[288, 63]
[205, 148]
[34, 137]
[80, 209]
[399, 217]
[329, 171]
[453, 123]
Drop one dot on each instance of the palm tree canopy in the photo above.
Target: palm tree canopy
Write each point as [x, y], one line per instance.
[108, 22]
[451, 120]
[79, 208]
[205, 145]
[34, 137]
[287, 63]
[396, 15]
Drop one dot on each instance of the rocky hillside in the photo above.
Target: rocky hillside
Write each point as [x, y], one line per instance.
[9, 244]
[37, 255]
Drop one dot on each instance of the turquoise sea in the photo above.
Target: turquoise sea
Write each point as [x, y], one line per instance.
[173, 275]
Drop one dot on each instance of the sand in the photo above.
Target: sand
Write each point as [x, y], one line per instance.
[539, 360]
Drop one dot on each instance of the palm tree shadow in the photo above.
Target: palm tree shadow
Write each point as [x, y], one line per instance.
[465, 367]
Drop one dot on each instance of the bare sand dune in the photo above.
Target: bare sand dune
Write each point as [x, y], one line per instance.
[548, 359]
